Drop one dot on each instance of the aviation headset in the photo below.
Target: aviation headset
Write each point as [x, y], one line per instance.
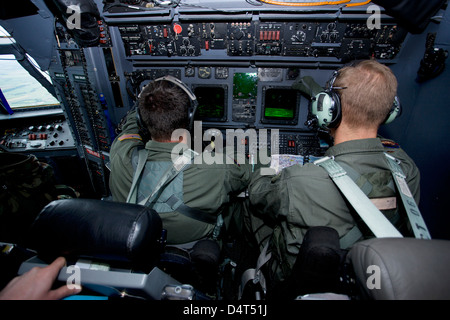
[191, 109]
[326, 106]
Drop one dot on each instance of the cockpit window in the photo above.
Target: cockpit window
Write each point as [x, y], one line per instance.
[18, 86]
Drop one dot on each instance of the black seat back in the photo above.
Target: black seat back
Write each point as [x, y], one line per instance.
[402, 268]
[111, 231]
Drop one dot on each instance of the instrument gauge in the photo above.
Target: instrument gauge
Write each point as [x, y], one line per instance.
[204, 72]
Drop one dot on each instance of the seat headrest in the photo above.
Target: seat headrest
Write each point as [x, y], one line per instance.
[405, 268]
[97, 229]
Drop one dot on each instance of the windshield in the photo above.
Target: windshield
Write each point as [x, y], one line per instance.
[20, 89]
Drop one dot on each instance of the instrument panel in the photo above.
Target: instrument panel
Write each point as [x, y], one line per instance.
[337, 39]
[31, 135]
[249, 97]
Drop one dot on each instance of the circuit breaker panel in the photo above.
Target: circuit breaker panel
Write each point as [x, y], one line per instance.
[75, 75]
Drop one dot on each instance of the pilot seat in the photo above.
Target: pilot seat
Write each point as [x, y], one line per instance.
[118, 250]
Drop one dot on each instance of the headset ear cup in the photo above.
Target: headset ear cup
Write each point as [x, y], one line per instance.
[192, 110]
[326, 107]
[395, 111]
[143, 131]
[336, 110]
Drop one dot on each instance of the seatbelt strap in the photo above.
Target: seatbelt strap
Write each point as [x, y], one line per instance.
[355, 234]
[375, 220]
[175, 202]
[255, 274]
[179, 164]
[415, 217]
[142, 159]
[350, 237]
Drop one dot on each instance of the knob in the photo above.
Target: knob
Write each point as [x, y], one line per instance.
[238, 34]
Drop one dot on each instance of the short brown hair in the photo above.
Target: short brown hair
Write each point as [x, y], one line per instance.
[369, 94]
[163, 108]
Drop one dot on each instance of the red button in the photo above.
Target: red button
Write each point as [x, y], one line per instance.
[177, 28]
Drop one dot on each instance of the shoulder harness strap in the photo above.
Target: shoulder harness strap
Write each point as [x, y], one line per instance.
[375, 220]
[180, 164]
[415, 217]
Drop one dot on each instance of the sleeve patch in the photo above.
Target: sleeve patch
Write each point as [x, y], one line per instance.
[390, 144]
[130, 136]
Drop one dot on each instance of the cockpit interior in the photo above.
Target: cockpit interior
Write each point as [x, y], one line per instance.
[71, 71]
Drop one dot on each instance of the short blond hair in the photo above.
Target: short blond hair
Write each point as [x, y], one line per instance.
[370, 90]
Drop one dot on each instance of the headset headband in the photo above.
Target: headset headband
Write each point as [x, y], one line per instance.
[180, 84]
[332, 80]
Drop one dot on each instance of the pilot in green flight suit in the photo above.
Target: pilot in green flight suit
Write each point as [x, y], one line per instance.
[300, 197]
[204, 188]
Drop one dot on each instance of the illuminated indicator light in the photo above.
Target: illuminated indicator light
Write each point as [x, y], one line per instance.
[177, 28]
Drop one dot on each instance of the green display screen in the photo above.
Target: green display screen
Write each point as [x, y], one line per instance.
[280, 103]
[211, 102]
[245, 85]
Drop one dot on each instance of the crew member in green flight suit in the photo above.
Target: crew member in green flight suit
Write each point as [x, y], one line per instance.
[285, 206]
[204, 188]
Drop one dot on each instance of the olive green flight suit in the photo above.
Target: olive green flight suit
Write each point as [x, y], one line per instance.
[207, 187]
[301, 197]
